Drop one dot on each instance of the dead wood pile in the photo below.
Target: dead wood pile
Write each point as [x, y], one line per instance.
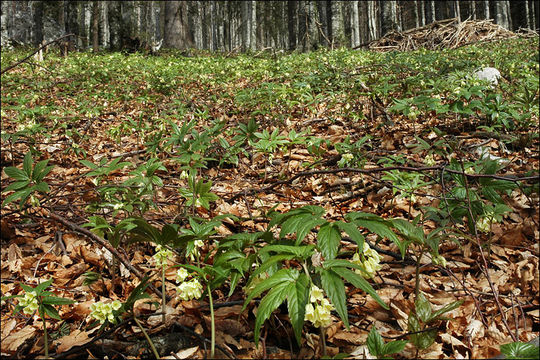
[445, 34]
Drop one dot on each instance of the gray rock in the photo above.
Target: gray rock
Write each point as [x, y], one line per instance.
[488, 73]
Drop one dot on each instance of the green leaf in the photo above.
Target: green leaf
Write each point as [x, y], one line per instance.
[445, 309]
[17, 185]
[297, 299]
[375, 343]
[520, 350]
[27, 164]
[51, 311]
[16, 173]
[335, 288]
[301, 252]
[88, 164]
[268, 304]
[328, 239]
[422, 340]
[353, 232]
[54, 300]
[359, 282]
[39, 289]
[268, 263]
[394, 347]
[279, 277]
[423, 308]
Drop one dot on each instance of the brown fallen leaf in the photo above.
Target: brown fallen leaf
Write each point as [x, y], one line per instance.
[75, 338]
[11, 343]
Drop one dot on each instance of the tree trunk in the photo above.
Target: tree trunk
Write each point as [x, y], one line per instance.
[486, 10]
[501, 16]
[95, 26]
[457, 10]
[71, 24]
[291, 23]
[312, 26]
[338, 35]
[253, 25]
[422, 13]
[176, 33]
[355, 24]
[324, 21]
[389, 19]
[38, 23]
[372, 19]
[302, 26]
[433, 13]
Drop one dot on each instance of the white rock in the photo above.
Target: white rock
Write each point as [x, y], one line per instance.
[488, 73]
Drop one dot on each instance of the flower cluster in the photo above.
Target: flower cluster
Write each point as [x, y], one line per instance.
[371, 262]
[439, 260]
[161, 255]
[484, 224]
[191, 289]
[104, 312]
[195, 251]
[345, 159]
[429, 160]
[318, 309]
[29, 302]
[187, 290]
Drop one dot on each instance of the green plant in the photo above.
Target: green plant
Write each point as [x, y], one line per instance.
[41, 300]
[520, 350]
[377, 347]
[28, 181]
[422, 319]
[317, 265]
[198, 192]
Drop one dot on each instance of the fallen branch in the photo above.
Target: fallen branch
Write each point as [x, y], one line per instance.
[29, 56]
[382, 169]
[104, 243]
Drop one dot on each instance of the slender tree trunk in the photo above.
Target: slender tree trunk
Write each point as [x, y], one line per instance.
[95, 26]
[312, 26]
[253, 25]
[338, 33]
[302, 26]
[38, 23]
[291, 23]
[473, 9]
[372, 19]
[487, 15]
[457, 10]
[501, 17]
[422, 13]
[355, 24]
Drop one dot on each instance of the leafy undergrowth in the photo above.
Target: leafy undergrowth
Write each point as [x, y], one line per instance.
[399, 185]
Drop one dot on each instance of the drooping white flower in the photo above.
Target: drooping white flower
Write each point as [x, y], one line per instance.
[181, 275]
[188, 290]
[371, 261]
[104, 311]
[161, 255]
[29, 302]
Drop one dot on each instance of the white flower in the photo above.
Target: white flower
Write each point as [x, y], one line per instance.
[318, 309]
[198, 243]
[29, 302]
[429, 160]
[104, 311]
[484, 224]
[191, 289]
[184, 175]
[181, 275]
[161, 255]
[469, 170]
[347, 157]
[371, 261]
[316, 294]
[439, 260]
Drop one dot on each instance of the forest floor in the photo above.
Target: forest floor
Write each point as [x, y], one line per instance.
[400, 135]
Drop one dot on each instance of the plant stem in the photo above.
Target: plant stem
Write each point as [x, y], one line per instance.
[156, 354]
[417, 282]
[323, 340]
[45, 337]
[163, 298]
[212, 324]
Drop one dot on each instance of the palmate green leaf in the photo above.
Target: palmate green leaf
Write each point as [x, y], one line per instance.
[359, 282]
[297, 298]
[328, 239]
[423, 308]
[335, 288]
[41, 287]
[394, 347]
[375, 343]
[41, 170]
[376, 225]
[268, 304]
[16, 173]
[268, 263]
[279, 277]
